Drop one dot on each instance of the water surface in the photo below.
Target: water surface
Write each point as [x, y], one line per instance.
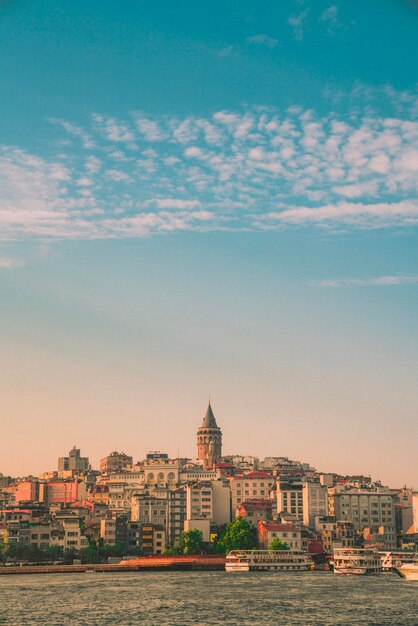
[202, 598]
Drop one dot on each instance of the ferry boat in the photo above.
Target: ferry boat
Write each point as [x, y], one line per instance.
[409, 571]
[267, 560]
[395, 559]
[357, 561]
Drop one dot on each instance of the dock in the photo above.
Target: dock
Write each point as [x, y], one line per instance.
[169, 563]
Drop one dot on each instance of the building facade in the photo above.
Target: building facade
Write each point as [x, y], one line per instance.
[115, 462]
[74, 461]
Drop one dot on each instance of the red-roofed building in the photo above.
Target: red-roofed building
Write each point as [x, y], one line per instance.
[255, 510]
[252, 486]
[287, 533]
[225, 469]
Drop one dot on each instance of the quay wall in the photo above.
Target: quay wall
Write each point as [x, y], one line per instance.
[131, 565]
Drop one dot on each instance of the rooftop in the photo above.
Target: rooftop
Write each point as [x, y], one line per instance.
[209, 420]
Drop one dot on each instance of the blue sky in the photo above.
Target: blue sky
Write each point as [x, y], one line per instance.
[210, 197]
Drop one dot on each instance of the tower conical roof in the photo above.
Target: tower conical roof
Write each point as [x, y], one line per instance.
[209, 420]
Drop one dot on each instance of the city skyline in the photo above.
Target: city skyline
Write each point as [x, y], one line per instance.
[209, 199]
[199, 456]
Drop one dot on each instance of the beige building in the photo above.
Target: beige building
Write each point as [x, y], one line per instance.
[209, 500]
[287, 533]
[150, 509]
[252, 486]
[115, 462]
[40, 535]
[199, 501]
[415, 511]
[314, 502]
[327, 527]
[73, 536]
[199, 524]
[367, 509]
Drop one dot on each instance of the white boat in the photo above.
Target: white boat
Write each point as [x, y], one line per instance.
[409, 571]
[395, 558]
[357, 561]
[267, 560]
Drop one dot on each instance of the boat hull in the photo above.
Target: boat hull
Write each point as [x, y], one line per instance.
[409, 572]
[356, 571]
[246, 567]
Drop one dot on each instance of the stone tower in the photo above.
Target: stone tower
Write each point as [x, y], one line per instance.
[209, 440]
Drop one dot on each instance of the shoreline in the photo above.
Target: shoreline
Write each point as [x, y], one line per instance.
[134, 565]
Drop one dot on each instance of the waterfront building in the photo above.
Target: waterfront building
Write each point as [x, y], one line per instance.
[327, 527]
[209, 440]
[74, 461]
[344, 534]
[115, 462]
[415, 511]
[314, 501]
[287, 533]
[202, 524]
[153, 539]
[15, 532]
[251, 486]
[113, 528]
[40, 535]
[176, 514]
[290, 497]
[367, 508]
[210, 500]
[255, 510]
[149, 509]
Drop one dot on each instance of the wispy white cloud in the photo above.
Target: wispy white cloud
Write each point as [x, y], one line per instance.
[258, 168]
[177, 203]
[297, 22]
[379, 281]
[113, 129]
[330, 17]
[75, 131]
[263, 40]
[150, 129]
[350, 213]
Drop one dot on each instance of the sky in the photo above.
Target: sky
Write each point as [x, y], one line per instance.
[210, 198]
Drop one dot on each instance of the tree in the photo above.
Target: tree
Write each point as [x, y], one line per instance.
[278, 544]
[239, 534]
[191, 541]
[173, 551]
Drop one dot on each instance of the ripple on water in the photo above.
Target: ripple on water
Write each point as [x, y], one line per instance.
[206, 598]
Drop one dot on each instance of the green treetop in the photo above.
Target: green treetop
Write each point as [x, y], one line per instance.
[278, 544]
[239, 534]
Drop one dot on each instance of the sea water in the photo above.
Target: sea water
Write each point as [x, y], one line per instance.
[204, 598]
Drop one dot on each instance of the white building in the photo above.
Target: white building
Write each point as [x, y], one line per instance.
[209, 500]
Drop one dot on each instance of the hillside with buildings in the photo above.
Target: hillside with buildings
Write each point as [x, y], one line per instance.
[144, 507]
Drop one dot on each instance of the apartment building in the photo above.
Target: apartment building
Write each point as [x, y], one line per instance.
[251, 486]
